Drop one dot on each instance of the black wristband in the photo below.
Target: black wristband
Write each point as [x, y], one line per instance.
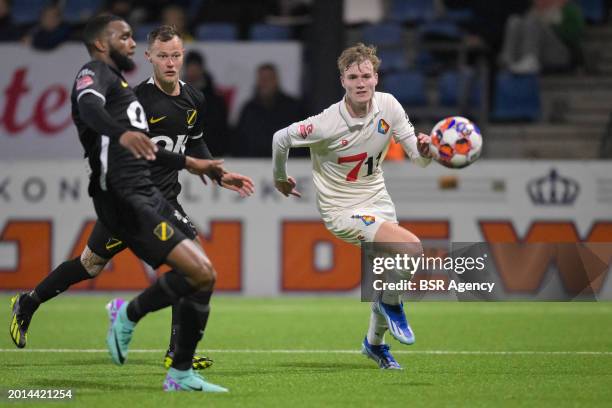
[197, 148]
[169, 159]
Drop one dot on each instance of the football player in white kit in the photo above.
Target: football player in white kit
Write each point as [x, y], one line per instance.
[348, 142]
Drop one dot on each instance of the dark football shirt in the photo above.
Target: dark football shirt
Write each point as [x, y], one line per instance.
[174, 122]
[112, 166]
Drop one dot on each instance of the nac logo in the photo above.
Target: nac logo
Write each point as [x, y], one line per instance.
[192, 115]
[163, 231]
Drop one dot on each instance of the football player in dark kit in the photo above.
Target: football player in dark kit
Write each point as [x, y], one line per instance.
[132, 212]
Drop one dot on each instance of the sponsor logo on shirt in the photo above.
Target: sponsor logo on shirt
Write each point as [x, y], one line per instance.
[383, 127]
[84, 82]
[366, 219]
[305, 130]
[155, 120]
[86, 72]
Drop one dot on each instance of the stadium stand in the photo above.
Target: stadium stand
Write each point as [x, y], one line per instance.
[517, 97]
[77, 11]
[593, 10]
[269, 32]
[383, 35]
[411, 11]
[407, 86]
[392, 60]
[27, 11]
[216, 32]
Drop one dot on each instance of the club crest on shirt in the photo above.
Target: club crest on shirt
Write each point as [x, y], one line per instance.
[383, 127]
[192, 115]
[366, 219]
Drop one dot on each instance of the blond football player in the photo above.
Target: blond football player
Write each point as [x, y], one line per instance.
[348, 142]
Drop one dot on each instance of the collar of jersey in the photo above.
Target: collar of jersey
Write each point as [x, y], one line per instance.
[116, 71]
[351, 121]
[151, 81]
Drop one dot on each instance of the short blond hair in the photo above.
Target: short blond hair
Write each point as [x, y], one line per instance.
[357, 54]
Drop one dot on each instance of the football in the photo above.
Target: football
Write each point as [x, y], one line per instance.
[456, 142]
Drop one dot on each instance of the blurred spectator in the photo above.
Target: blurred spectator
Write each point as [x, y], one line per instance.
[174, 15]
[216, 131]
[547, 38]
[363, 11]
[121, 8]
[8, 30]
[50, 30]
[293, 8]
[270, 109]
[489, 18]
[129, 10]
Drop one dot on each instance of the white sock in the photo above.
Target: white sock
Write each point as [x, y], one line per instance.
[377, 329]
[390, 297]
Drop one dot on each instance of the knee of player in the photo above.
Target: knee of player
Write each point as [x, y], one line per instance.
[412, 247]
[206, 273]
[211, 273]
[416, 247]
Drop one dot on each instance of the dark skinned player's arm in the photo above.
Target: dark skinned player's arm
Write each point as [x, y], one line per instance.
[96, 117]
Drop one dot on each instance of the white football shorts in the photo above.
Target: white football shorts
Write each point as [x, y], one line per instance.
[359, 224]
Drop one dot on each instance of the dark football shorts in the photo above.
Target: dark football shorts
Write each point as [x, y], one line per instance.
[148, 224]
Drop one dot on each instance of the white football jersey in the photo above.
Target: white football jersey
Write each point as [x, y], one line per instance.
[346, 152]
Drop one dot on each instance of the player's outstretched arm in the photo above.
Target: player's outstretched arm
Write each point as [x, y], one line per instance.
[287, 187]
[243, 185]
[423, 142]
[281, 143]
[239, 183]
[139, 144]
[92, 112]
[417, 148]
[202, 167]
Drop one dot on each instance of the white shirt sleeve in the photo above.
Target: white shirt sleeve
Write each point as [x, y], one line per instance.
[305, 133]
[404, 135]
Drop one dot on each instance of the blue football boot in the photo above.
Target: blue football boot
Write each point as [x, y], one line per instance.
[396, 320]
[380, 354]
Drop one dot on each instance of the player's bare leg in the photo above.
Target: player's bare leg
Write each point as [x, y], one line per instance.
[195, 272]
[68, 273]
[389, 307]
[192, 271]
[87, 266]
[387, 311]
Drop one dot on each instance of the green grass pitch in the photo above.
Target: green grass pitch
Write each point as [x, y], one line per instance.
[303, 352]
